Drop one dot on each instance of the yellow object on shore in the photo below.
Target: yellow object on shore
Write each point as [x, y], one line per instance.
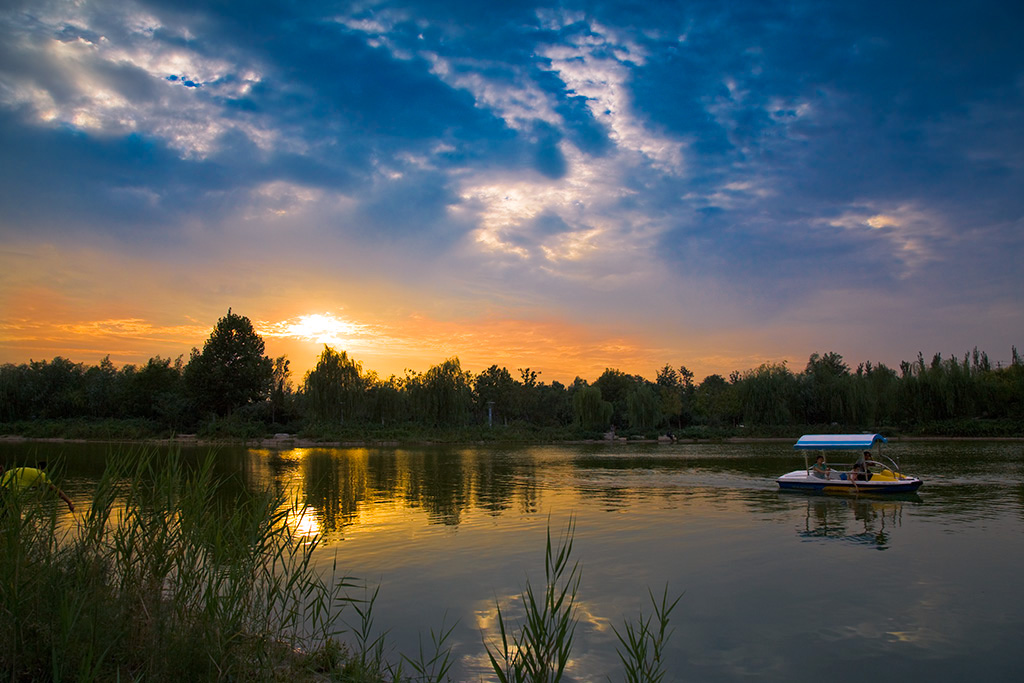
[23, 478]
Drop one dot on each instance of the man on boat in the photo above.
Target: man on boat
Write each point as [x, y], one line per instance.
[860, 468]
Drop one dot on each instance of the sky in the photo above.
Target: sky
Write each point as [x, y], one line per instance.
[565, 186]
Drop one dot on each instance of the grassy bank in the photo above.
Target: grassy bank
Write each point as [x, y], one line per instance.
[236, 430]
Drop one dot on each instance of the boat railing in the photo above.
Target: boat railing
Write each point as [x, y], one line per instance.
[875, 463]
[886, 461]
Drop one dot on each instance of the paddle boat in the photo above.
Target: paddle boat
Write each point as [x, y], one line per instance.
[881, 474]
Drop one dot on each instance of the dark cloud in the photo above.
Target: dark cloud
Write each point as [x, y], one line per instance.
[60, 180]
[411, 210]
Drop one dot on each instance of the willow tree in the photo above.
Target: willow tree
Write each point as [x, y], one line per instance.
[591, 411]
[767, 394]
[827, 390]
[446, 394]
[333, 390]
[643, 407]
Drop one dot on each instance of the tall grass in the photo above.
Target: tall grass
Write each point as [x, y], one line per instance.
[539, 649]
[643, 642]
[164, 576]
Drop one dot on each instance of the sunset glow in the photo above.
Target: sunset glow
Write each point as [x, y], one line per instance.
[319, 328]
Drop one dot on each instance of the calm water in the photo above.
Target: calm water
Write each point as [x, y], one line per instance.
[777, 586]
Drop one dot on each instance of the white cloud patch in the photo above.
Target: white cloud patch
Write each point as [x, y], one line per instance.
[129, 82]
[598, 66]
[280, 198]
[912, 231]
[592, 232]
[595, 63]
[581, 228]
[518, 101]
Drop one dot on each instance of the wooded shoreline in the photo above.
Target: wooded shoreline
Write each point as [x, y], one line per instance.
[295, 442]
[231, 392]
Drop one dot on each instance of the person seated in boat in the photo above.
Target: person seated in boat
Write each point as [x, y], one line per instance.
[820, 469]
[860, 468]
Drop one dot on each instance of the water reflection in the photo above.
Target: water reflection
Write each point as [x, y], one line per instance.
[332, 489]
[458, 530]
[858, 521]
[342, 487]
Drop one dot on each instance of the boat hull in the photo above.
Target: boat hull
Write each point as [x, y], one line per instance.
[802, 481]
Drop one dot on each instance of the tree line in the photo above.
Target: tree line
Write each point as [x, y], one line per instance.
[232, 382]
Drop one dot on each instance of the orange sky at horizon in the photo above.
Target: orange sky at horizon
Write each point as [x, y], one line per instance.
[559, 351]
[86, 301]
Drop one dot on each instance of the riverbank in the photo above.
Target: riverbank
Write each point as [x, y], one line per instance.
[291, 442]
[235, 430]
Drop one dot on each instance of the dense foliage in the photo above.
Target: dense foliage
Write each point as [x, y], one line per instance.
[232, 389]
[231, 371]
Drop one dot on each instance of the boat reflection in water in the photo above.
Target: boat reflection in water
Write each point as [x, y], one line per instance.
[860, 521]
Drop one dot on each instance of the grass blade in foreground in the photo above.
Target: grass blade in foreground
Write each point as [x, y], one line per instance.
[642, 646]
[539, 650]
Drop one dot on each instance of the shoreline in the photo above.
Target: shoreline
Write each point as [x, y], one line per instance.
[289, 442]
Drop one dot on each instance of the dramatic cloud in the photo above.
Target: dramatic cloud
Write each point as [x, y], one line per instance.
[567, 187]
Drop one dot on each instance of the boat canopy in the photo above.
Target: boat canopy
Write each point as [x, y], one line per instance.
[838, 442]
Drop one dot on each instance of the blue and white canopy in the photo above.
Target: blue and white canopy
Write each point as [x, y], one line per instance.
[838, 442]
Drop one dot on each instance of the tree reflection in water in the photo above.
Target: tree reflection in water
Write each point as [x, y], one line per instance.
[340, 486]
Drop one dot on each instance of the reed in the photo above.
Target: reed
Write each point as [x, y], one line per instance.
[538, 651]
[164, 576]
[643, 642]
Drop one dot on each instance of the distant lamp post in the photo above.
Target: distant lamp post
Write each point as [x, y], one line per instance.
[490, 413]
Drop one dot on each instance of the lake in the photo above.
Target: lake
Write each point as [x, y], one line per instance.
[775, 586]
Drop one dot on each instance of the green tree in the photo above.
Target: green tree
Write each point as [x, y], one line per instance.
[231, 371]
[676, 393]
[554, 407]
[526, 394]
[877, 389]
[591, 411]
[103, 390]
[615, 385]
[494, 386]
[281, 390]
[717, 402]
[670, 394]
[333, 390]
[446, 394]
[768, 394]
[643, 407]
[387, 399]
[155, 392]
[827, 390]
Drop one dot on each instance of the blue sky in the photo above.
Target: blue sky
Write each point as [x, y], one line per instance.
[567, 186]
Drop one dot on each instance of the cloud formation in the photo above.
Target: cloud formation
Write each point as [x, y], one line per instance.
[716, 183]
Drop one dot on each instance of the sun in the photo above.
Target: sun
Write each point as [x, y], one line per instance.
[321, 328]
